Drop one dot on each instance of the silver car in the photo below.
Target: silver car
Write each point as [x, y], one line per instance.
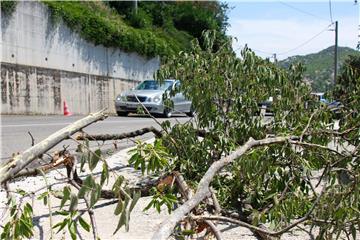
[150, 93]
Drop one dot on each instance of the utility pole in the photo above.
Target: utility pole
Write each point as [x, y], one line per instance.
[336, 52]
[358, 44]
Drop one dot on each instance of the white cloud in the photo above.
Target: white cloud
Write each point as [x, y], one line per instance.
[281, 35]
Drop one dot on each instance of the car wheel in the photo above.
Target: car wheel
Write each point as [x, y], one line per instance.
[191, 113]
[167, 113]
[122, 114]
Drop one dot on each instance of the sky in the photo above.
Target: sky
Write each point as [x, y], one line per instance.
[290, 27]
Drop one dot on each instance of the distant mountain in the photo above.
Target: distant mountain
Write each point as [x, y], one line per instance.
[320, 66]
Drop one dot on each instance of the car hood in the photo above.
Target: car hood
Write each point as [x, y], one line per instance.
[147, 93]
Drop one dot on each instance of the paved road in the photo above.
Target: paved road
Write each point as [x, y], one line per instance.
[15, 128]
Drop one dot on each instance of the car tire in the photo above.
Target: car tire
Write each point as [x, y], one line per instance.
[122, 114]
[167, 113]
[191, 113]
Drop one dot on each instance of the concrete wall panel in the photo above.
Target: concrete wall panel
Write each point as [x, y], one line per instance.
[44, 64]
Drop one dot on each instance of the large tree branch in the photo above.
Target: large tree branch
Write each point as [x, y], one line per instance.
[202, 192]
[11, 167]
[106, 137]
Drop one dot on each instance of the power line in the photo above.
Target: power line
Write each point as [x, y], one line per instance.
[358, 44]
[302, 11]
[292, 49]
[255, 50]
[330, 11]
[306, 42]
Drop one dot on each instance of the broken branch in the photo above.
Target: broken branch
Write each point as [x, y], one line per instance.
[106, 137]
[10, 168]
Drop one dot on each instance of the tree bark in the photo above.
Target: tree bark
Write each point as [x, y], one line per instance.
[10, 168]
[202, 192]
[107, 137]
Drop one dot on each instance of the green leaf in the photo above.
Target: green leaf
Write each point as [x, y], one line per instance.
[84, 224]
[95, 195]
[61, 225]
[121, 222]
[28, 209]
[73, 203]
[66, 196]
[45, 200]
[188, 232]
[82, 191]
[104, 174]
[119, 207]
[72, 230]
[151, 203]
[117, 185]
[63, 213]
[353, 231]
[135, 198]
[21, 192]
[94, 159]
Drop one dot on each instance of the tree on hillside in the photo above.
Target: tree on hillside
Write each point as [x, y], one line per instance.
[229, 163]
[348, 82]
[192, 17]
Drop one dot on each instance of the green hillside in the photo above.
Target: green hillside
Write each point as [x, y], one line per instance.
[152, 29]
[320, 66]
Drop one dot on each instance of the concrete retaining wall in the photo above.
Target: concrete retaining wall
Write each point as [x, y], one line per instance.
[29, 90]
[43, 64]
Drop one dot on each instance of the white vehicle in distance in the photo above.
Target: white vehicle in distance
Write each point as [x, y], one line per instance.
[150, 94]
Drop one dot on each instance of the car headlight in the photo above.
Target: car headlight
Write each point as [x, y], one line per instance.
[121, 98]
[157, 98]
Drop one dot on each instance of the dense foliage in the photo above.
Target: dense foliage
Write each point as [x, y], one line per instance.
[193, 17]
[7, 7]
[156, 29]
[348, 82]
[319, 67]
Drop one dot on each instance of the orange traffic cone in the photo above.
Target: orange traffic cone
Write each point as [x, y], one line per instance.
[66, 110]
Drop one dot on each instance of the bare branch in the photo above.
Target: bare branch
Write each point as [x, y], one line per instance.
[214, 230]
[215, 202]
[106, 137]
[32, 139]
[184, 188]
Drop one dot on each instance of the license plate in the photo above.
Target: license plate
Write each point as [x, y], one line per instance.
[131, 105]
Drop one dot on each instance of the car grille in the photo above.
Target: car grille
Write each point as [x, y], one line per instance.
[133, 98]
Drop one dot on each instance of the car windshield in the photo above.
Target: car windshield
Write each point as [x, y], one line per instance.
[154, 85]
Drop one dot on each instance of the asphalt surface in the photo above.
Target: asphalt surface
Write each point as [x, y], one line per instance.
[15, 130]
